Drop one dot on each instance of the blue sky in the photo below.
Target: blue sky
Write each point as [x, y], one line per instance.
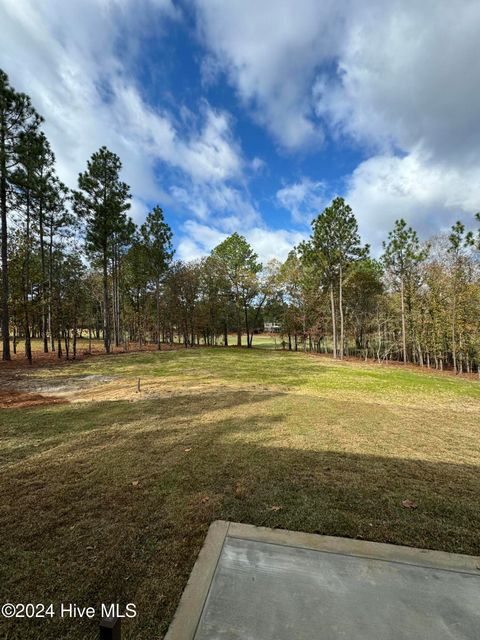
[239, 115]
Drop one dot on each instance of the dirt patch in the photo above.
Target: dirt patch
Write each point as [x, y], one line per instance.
[61, 385]
[22, 399]
[54, 386]
[113, 389]
[25, 391]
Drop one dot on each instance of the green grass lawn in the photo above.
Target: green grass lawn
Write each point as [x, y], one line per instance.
[108, 498]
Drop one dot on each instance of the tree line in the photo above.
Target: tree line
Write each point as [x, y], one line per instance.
[75, 266]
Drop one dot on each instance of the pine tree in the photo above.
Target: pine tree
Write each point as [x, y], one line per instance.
[156, 237]
[45, 182]
[60, 224]
[401, 257]
[240, 266]
[17, 118]
[335, 244]
[26, 191]
[102, 200]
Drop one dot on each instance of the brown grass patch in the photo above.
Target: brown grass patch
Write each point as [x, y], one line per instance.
[23, 399]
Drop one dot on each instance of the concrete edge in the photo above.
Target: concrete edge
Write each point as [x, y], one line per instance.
[189, 610]
[361, 548]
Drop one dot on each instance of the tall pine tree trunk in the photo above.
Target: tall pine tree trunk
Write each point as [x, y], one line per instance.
[225, 332]
[340, 305]
[334, 321]
[239, 326]
[304, 331]
[43, 286]
[157, 293]
[3, 208]
[404, 331]
[74, 337]
[247, 326]
[50, 289]
[26, 284]
[117, 298]
[106, 304]
[454, 330]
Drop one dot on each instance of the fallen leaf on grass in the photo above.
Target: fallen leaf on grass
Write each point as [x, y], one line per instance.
[409, 504]
[135, 483]
[275, 508]
[205, 499]
[240, 490]
[188, 449]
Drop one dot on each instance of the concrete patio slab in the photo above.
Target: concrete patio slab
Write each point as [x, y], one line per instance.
[253, 583]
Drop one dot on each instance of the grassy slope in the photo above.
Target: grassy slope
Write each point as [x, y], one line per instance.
[110, 500]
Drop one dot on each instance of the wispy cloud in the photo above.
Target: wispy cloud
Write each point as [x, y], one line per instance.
[72, 70]
[304, 199]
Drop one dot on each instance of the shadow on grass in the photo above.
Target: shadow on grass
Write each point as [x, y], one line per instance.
[123, 521]
[34, 430]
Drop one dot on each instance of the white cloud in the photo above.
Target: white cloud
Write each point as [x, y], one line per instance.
[199, 239]
[64, 55]
[270, 51]
[430, 197]
[273, 243]
[407, 76]
[408, 87]
[138, 210]
[257, 164]
[399, 79]
[399, 73]
[304, 199]
[189, 249]
[207, 201]
[208, 154]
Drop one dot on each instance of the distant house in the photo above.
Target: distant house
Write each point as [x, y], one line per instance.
[271, 327]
